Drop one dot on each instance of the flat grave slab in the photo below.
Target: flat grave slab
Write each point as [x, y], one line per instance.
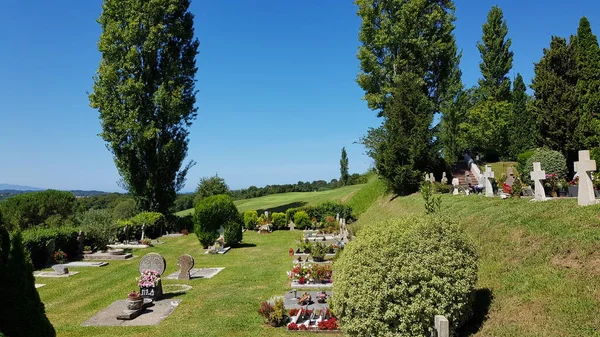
[54, 274]
[295, 284]
[150, 316]
[106, 256]
[290, 302]
[225, 250]
[39, 285]
[85, 264]
[197, 273]
[174, 235]
[127, 246]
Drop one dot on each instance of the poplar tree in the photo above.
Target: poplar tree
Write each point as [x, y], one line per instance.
[523, 129]
[407, 56]
[144, 92]
[344, 175]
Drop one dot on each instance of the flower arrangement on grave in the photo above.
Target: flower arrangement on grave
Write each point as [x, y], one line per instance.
[134, 296]
[291, 251]
[552, 183]
[562, 185]
[148, 279]
[301, 273]
[595, 181]
[328, 324]
[318, 252]
[87, 249]
[59, 257]
[322, 297]
[321, 273]
[292, 326]
[574, 182]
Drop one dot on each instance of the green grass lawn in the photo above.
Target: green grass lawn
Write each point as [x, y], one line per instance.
[225, 305]
[539, 264]
[281, 202]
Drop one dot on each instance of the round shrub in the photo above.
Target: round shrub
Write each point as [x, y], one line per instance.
[210, 214]
[422, 267]
[250, 219]
[233, 233]
[553, 162]
[99, 227]
[302, 220]
[278, 220]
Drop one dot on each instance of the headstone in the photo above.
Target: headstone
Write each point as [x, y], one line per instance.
[80, 242]
[185, 263]
[266, 215]
[584, 167]
[221, 232]
[510, 179]
[537, 175]
[455, 185]
[488, 175]
[143, 232]
[441, 326]
[431, 178]
[444, 179]
[337, 217]
[292, 226]
[153, 261]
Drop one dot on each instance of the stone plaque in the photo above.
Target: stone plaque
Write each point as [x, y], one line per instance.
[185, 263]
[153, 261]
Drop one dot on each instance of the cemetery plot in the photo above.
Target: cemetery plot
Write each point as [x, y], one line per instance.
[196, 273]
[85, 264]
[155, 314]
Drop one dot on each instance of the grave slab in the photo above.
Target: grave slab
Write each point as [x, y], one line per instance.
[291, 302]
[85, 264]
[39, 285]
[225, 250]
[150, 316]
[197, 273]
[54, 274]
[106, 256]
[175, 235]
[295, 284]
[127, 246]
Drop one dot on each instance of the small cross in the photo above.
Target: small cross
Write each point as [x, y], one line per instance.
[489, 176]
[537, 175]
[584, 168]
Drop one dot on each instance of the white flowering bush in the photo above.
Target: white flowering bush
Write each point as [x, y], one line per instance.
[397, 275]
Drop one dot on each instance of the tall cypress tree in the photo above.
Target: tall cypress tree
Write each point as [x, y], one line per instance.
[407, 56]
[587, 56]
[555, 105]
[523, 129]
[144, 91]
[344, 175]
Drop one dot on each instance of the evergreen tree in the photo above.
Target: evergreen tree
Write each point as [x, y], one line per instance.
[523, 130]
[209, 186]
[144, 91]
[587, 56]
[555, 105]
[407, 57]
[344, 175]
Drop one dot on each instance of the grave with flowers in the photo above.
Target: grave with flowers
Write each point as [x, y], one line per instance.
[306, 275]
[151, 267]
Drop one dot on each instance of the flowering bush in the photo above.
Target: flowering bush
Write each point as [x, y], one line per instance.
[321, 272]
[552, 183]
[328, 324]
[60, 256]
[148, 279]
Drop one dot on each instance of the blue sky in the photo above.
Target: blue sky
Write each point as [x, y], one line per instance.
[277, 93]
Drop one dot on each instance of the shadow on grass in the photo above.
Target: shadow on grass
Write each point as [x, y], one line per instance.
[246, 245]
[282, 208]
[173, 294]
[481, 310]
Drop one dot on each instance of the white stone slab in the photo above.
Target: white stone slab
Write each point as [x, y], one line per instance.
[54, 274]
[150, 316]
[219, 252]
[127, 246]
[295, 284]
[39, 285]
[85, 264]
[197, 273]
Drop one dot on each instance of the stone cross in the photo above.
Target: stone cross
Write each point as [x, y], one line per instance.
[221, 232]
[444, 179]
[455, 185]
[292, 226]
[584, 167]
[185, 263]
[537, 175]
[489, 176]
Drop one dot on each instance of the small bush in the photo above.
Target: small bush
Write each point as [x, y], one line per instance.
[522, 159]
[302, 220]
[210, 214]
[233, 233]
[99, 227]
[278, 220]
[250, 220]
[517, 188]
[432, 202]
[38, 240]
[442, 188]
[125, 209]
[289, 214]
[553, 162]
[426, 267]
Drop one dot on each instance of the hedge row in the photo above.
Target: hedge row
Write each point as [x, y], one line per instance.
[37, 241]
[321, 211]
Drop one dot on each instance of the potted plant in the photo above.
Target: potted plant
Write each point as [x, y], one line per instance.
[291, 252]
[552, 184]
[273, 313]
[306, 247]
[134, 301]
[87, 250]
[596, 182]
[150, 284]
[59, 258]
[322, 297]
[574, 187]
[563, 187]
[318, 252]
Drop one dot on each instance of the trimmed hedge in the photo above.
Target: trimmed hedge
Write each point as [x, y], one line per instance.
[553, 162]
[210, 214]
[278, 220]
[250, 219]
[233, 233]
[321, 211]
[302, 220]
[37, 240]
[424, 266]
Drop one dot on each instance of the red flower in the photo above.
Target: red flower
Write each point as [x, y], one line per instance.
[292, 326]
[302, 327]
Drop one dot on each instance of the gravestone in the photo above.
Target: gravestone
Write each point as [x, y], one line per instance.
[444, 179]
[431, 178]
[221, 232]
[510, 179]
[584, 167]
[156, 262]
[455, 185]
[468, 180]
[292, 226]
[80, 241]
[537, 175]
[185, 263]
[489, 176]
[337, 217]
[143, 232]
[441, 326]
[267, 215]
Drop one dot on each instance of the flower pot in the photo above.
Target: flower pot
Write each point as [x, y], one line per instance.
[87, 252]
[574, 191]
[562, 194]
[134, 304]
[60, 269]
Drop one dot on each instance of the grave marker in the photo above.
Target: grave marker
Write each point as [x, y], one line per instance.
[537, 175]
[185, 263]
[455, 185]
[489, 176]
[510, 179]
[444, 179]
[584, 167]
[157, 263]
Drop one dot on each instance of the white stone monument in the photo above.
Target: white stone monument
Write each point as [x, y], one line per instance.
[455, 185]
[221, 232]
[489, 176]
[537, 175]
[444, 179]
[431, 178]
[584, 167]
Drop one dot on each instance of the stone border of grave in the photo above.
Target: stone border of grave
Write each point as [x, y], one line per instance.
[53, 274]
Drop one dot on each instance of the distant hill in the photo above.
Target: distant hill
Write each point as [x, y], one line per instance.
[19, 188]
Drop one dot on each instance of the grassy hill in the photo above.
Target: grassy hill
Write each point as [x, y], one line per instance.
[281, 202]
[539, 266]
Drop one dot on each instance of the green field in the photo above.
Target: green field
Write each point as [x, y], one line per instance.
[539, 266]
[225, 305]
[281, 202]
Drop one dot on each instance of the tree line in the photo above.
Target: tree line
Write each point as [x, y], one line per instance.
[410, 73]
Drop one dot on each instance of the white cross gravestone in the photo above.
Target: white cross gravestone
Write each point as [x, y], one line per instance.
[537, 175]
[455, 185]
[584, 167]
[431, 178]
[221, 232]
[444, 179]
[488, 175]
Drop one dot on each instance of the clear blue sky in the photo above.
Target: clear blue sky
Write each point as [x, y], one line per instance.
[277, 94]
